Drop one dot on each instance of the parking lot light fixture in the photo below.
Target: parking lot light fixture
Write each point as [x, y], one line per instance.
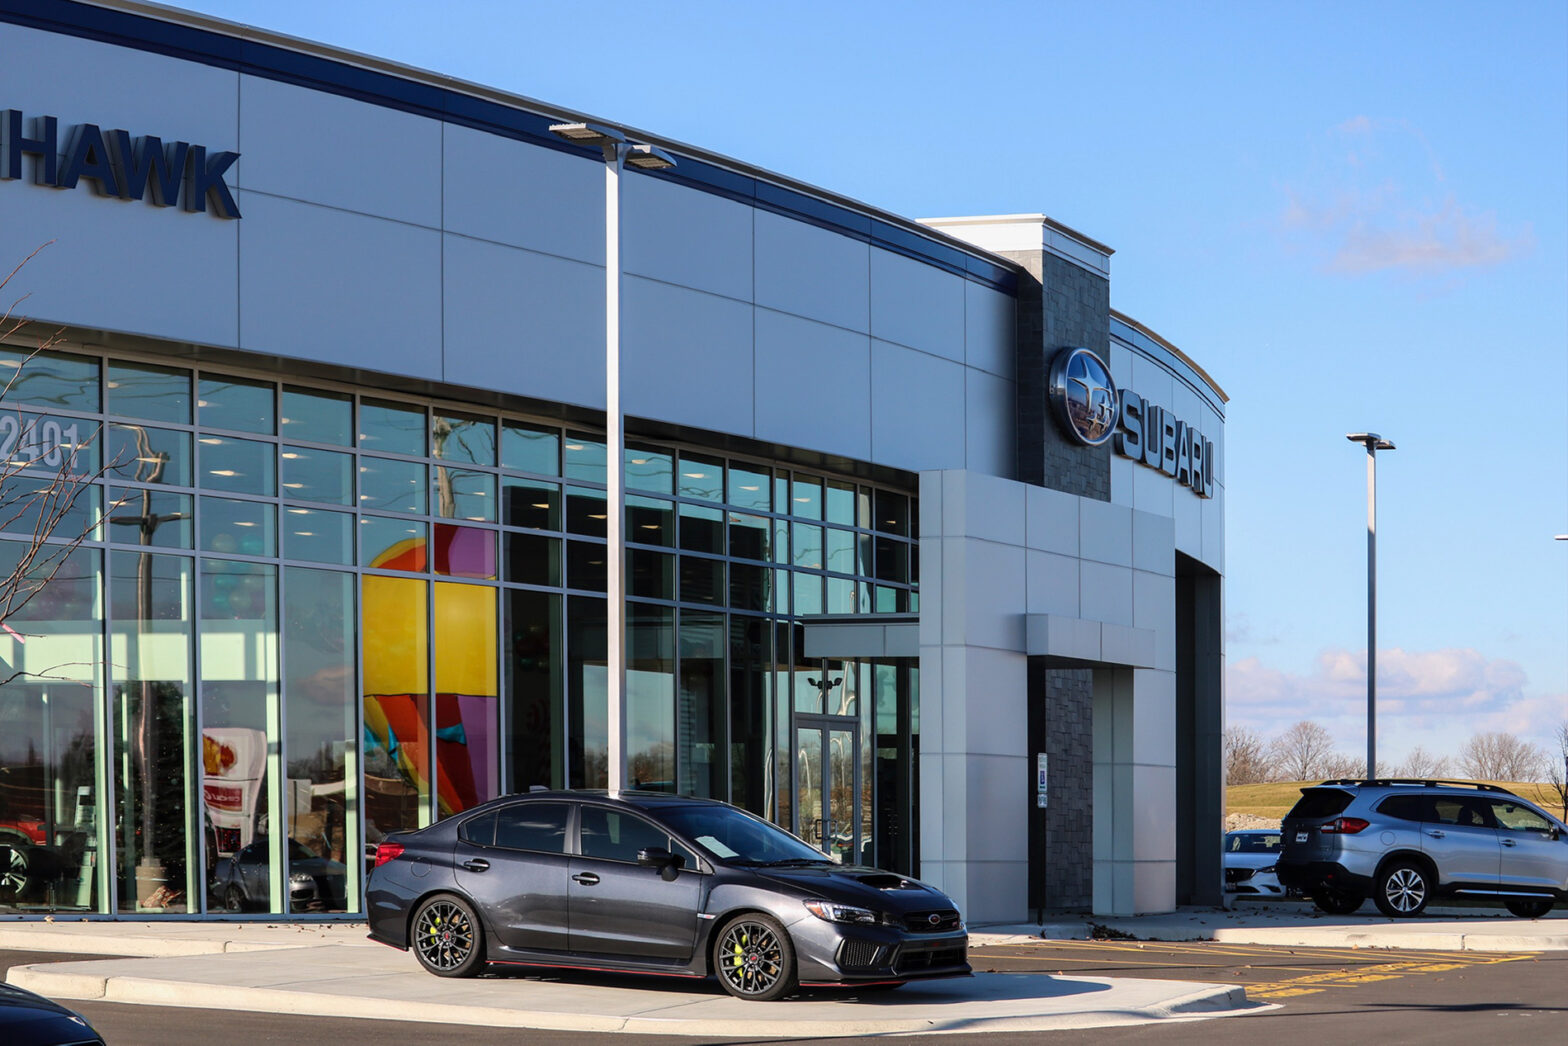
[618, 153]
[1374, 443]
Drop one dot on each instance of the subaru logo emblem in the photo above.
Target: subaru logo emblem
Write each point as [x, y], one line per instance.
[1083, 396]
[934, 920]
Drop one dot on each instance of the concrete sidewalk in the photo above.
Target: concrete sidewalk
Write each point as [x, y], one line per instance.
[332, 970]
[1298, 924]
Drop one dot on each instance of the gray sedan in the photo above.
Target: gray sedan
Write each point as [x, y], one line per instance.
[645, 882]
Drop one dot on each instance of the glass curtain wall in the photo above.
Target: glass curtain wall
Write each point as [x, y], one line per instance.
[297, 618]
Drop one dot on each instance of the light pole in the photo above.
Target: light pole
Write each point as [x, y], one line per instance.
[1374, 443]
[618, 153]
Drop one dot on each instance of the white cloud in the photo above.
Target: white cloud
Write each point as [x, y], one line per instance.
[1383, 204]
[1434, 698]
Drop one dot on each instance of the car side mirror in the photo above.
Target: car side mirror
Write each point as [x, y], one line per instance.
[1555, 833]
[668, 864]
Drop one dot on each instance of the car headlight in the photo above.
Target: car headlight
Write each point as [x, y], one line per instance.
[841, 913]
[301, 879]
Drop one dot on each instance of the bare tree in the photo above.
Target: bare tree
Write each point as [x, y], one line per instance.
[1500, 757]
[1557, 766]
[1339, 766]
[47, 464]
[1302, 752]
[1423, 764]
[1246, 756]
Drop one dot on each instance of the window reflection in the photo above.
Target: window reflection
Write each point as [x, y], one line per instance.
[54, 379]
[248, 528]
[318, 536]
[236, 403]
[51, 834]
[321, 746]
[392, 428]
[533, 689]
[700, 477]
[395, 642]
[147, 455]
[239, 623]
[529, 449]
[467, 757]
[700, 715]
[149, 517]
[150, 598]
[528, 503]
[141, 390]
[392, 544]
[463, 437]
[649, 469]
[389, 485]
[314, 416]
[650, 697]
[461, 494]
[242, 466]
[584, 458]
[318, 475]
[464, 551]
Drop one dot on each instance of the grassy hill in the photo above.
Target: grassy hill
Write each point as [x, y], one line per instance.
[1274, 799]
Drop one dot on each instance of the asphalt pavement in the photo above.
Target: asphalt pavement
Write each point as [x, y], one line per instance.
[331, 969]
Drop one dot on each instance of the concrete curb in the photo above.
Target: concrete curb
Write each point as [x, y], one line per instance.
[1435, 941]
[1112, 1003]
[150, 942]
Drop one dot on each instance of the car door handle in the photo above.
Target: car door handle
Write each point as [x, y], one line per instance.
[1509, 842]
[1437, 835]
[478, 864]
[586, 878]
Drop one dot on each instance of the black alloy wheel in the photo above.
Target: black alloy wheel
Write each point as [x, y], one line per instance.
[446, 937]
[233, 900]
[1530, 909]
[754, 959]
[1335, 902]
[1402, 890]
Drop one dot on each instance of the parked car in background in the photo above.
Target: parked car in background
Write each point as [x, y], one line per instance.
[1406, 842]
[648, 882]
[1250, 856]
[241, 882]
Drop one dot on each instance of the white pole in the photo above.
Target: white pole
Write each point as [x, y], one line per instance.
[1371, 611]
[615, 462]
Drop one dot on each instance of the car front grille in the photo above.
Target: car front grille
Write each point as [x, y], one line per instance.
[940, 920]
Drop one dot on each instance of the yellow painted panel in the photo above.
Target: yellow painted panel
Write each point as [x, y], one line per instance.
[394, 635]
[465, 639]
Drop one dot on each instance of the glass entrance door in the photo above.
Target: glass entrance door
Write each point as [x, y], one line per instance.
[828, 785]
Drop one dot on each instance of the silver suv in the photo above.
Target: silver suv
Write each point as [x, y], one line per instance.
[1405, 842]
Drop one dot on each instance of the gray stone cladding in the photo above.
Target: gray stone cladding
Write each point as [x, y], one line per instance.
[1060, 306]
[1069, 745]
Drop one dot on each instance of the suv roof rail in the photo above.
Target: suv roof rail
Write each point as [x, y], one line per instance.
[1479, 786]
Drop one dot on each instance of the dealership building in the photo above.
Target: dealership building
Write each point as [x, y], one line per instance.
[307, 502]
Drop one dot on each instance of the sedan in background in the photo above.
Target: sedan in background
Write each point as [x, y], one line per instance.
[1250, 857]
[646, 882]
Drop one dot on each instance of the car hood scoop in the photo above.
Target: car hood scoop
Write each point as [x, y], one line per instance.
[888, 881]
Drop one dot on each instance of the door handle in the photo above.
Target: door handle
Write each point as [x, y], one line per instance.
[1509, 842]
[478, 864]
[586, 878]
[1437, 835]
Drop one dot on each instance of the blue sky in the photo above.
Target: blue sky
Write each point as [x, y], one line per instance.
[1354, 215]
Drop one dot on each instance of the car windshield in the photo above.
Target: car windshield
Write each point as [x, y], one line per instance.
[1254, 843]
[735, 837]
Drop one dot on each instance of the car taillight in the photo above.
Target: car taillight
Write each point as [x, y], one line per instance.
[1344, 826]
[388, 852]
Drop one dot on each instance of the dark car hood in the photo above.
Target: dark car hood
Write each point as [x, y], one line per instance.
[867, 887]
[32, 1020]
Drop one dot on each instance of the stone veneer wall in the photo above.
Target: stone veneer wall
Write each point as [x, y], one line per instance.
[1063, 306]
[1069, 744]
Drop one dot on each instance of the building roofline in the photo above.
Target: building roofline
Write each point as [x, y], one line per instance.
[1173, 350]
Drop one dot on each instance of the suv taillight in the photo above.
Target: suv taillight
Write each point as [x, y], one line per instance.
[387, 852]
[1343, 826]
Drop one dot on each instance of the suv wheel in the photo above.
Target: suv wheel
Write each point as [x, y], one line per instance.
[1402, 890]
[1336, 903]
[1531, 909]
